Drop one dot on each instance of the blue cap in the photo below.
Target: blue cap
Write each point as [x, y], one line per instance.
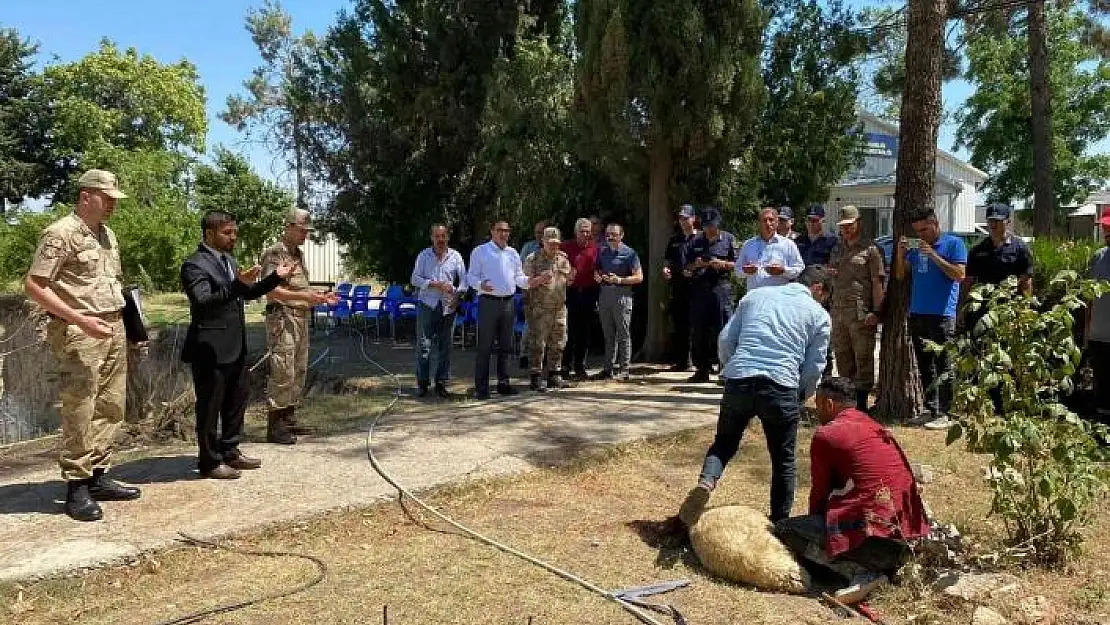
[998, 212]
[785, 212]
[711, 217]
[686, 210]
[816, 211]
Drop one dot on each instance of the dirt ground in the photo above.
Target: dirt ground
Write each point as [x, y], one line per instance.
[595, 516]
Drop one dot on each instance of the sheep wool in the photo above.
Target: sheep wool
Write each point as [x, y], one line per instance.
[737, 544]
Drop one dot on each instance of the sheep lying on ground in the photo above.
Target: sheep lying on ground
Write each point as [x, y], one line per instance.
[736, 543]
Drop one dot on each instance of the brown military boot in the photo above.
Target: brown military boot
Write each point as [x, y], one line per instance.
[294, 427]
[277, 428]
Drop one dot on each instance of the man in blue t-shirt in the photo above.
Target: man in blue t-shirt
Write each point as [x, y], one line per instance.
[935, 262]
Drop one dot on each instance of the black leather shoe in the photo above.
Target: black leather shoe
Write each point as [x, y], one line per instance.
[700, 377]
[506, 389]
[104, 488]
[80, 506]
[422, 390]
[442, 391]
[536, 384]
[556, 381]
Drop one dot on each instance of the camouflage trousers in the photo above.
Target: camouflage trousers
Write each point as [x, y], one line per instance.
[853, 344]
[93, 376]
[287, 342]
[547, 332]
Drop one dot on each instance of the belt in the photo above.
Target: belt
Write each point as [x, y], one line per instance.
[273, 307]
[499, 297]
[114, 315]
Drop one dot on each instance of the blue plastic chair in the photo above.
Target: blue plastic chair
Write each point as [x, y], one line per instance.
[343, 290]
[398, 306]
[466, 315]
[342, 311]
[361, 291]
[370, 308]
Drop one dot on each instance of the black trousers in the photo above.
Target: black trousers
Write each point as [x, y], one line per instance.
[495, 325]
[581, 318]
[710, 309]
[1099, 355]
[680, 323]
[938, 329]
[222, 393]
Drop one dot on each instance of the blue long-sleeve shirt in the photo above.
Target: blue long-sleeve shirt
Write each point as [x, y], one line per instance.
[781, 334]
[761, 253]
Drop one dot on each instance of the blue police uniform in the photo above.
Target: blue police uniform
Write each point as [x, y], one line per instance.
[680, 299]
[710, 296]
[815, 251]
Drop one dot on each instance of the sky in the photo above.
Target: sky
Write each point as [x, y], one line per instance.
[210, 34]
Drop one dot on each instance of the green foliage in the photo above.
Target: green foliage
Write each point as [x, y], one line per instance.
[113, 100]
[19, 236]
[1046, 469]
[806, 139]
[23, 163]
[994, 122]
[259, 205]
[1053, 255]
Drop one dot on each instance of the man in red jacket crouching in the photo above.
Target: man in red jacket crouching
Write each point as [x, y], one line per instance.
[863, 505]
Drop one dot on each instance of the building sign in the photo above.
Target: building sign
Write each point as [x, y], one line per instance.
[880, 146]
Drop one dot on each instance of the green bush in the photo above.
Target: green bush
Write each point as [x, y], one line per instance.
[1046, 470]
[1053, 255]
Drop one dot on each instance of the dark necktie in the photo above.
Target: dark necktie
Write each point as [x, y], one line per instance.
[227, 267]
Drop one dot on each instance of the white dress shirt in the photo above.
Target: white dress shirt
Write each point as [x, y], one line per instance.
[501, 266]
[776, 250]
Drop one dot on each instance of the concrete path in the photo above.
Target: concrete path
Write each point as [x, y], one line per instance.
[422, 445]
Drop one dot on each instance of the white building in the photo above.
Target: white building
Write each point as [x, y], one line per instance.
[324, 259]
[870, 187]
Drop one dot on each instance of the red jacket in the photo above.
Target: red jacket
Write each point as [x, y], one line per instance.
[862, 484]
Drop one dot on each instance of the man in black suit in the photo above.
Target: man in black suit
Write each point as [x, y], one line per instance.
[216, 343]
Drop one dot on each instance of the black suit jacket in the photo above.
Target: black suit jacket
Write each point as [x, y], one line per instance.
[217, 330]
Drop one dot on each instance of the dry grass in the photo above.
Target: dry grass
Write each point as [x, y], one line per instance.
[593, 516]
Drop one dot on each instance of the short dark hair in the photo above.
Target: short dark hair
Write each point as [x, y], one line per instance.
[922, 215]
[212, 220]
[840, 390]
[816, 274]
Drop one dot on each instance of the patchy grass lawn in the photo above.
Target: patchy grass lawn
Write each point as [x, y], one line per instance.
[583, 516]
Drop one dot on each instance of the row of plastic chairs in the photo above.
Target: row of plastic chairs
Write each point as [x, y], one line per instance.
[358, 303]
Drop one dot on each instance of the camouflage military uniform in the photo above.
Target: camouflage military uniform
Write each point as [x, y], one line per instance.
[83, 269]
[286, 331]
[546, 312]
[857, 266]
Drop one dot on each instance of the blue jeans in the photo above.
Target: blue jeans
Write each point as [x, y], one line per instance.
[805, 536]
[778, 409]
[432, 326]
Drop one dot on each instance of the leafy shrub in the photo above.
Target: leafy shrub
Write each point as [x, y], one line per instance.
[1046, 469]
[1053, 255]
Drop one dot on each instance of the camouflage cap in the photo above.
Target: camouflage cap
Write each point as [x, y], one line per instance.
[552, 234]
[298, 217]
[848, 215]
[101, 181]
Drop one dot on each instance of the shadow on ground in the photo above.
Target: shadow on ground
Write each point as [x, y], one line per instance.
[47, 497]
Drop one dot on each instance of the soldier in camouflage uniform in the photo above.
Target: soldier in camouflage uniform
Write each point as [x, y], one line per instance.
[75, 278]
[287, 310]
[857, 294]
[546, 312]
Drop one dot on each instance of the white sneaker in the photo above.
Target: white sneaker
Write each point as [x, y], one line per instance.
[942, 422]
[862, 585]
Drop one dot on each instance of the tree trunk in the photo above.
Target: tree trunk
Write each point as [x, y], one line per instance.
[661, 166]
[1040, 90]
[298, 163]
[899, 390]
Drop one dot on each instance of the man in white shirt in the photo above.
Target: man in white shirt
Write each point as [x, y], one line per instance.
[495, 273]
[768, 258]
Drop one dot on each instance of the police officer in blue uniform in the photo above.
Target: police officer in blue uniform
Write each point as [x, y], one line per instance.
[815, 245]
[680, 286]
[709, 262]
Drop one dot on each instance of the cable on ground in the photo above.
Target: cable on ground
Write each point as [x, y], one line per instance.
[200, 615]
[628, 606]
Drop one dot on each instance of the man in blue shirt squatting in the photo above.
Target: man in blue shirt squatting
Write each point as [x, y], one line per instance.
[935, 262]
[708, 262]
[773, 349]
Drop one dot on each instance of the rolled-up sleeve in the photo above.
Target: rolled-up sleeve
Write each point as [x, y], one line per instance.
[816, 352]
[420, 275]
